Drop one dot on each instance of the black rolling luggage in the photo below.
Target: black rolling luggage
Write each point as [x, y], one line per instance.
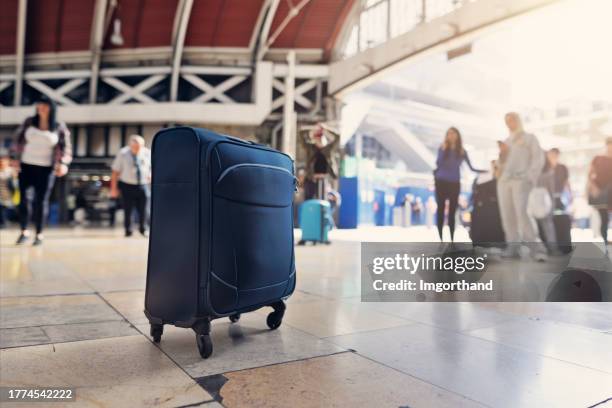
[563, 232]
[221, 239]
[486, 227]
[563, 236]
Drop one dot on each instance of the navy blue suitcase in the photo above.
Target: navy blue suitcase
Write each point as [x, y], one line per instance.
[221, 239]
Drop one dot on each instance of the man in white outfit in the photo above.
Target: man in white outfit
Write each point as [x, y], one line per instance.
[522, 161]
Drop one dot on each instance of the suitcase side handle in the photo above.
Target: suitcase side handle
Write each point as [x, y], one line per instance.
[237, 139]
[247, 142]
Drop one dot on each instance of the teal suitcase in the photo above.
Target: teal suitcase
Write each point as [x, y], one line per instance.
[315, 221]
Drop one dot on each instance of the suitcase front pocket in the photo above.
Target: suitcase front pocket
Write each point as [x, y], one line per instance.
[257, 184]
[252, 235]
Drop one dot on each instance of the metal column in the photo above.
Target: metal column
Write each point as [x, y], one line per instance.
[98, 29]
[20, 50]
[181, 21]
[289, 116]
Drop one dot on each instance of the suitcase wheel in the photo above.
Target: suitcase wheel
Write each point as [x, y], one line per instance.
[156, 332]
[274, 320]
[205, 346]
[234, 318]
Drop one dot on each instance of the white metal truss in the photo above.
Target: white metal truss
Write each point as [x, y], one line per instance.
[298, 95]
[215, 94]
[216, 70]
[137, 92]
[58, 94]
[210, 92]
[313, 76]
[134, 102]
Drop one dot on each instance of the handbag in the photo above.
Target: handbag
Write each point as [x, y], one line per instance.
[600, 200]
[539, 203]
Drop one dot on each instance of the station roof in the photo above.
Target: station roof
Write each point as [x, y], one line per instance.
[56, 26]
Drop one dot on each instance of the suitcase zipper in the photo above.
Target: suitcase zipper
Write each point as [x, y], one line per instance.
[266, 166]
[251, 145]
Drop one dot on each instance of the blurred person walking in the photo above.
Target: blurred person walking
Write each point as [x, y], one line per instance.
[417, 211]
[131, 176]
[430, 209]
[521, 164]
[540, 206]
[41, 152]
[407, 207]
[560, 176]
[447, 179]
[599, 188]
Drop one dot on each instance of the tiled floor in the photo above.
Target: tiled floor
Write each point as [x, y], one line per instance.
[345, 379]
[121, 371]
[71, 315]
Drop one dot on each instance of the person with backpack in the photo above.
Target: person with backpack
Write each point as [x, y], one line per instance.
[521, 164]
[41, 153]
[540, 206]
